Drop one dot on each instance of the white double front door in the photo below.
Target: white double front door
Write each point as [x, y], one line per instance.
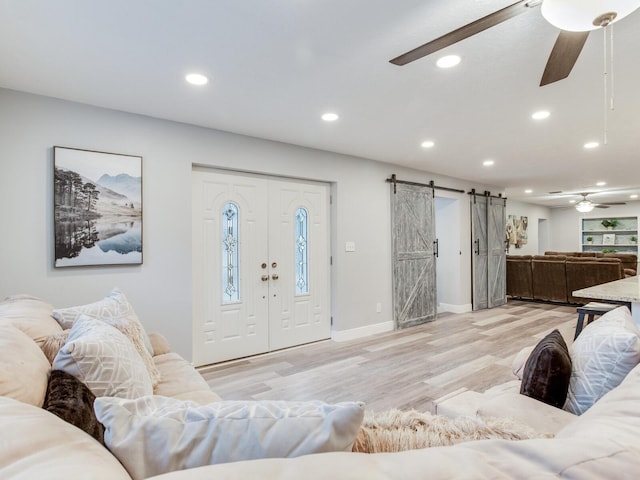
[260, 264]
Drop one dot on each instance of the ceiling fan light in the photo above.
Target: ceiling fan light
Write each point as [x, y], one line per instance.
[448, 61]
[584, 206]
[582, 15]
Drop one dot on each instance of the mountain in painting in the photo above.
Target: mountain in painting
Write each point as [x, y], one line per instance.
[124, 184]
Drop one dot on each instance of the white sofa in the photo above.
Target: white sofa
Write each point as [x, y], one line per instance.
[602, 443]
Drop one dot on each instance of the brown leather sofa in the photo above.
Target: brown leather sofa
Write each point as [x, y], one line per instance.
[583, 272]
[629, 260]
[553, 278]
[549, 277]
[519, 278]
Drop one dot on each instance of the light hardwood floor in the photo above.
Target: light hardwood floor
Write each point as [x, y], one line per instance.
[400, 369]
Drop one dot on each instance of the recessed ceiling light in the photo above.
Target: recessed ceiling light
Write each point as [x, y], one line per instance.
[540, 115]
[572, 201]
[330, 117]
[196, 79]
[591, 145]
[488, 163]
[528, 190]
[601, 184]
[448, 61]
[634, 195]
[427, 144]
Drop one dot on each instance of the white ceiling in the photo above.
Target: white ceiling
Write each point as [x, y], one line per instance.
[277, 65]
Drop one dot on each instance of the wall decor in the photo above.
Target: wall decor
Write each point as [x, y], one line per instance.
[516, 230]
[97, 208]
[609, 239]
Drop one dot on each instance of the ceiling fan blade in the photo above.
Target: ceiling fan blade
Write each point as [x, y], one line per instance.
[563, 56]
[461, 33]
[613, 203]
[601, 206]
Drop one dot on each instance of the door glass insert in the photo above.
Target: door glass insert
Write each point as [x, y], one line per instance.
[230, 245]
[302, 253]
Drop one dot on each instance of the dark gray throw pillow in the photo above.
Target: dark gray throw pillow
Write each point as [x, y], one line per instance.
[71, 400]
[547, 371]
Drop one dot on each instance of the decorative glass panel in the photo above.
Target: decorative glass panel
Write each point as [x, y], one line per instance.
[230, 277]
[302, 256]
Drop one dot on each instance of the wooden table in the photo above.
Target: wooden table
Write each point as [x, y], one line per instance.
[625, 290]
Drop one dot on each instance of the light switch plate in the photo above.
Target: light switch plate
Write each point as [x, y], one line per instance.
[350, 247]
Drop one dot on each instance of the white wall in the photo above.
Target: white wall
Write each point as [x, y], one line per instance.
[454, 287]
[534, 213]
[565, 235]
[160, 290]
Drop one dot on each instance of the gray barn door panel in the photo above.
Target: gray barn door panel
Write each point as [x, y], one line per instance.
[488, 255]
[497, 255]
[479, 256]
[414, 263]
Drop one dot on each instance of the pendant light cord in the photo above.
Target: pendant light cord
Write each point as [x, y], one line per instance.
[611, 103]
[608, 79]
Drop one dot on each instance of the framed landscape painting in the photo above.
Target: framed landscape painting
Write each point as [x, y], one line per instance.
[97, 208]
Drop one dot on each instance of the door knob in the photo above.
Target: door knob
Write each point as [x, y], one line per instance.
[264, 278]
[275, 276]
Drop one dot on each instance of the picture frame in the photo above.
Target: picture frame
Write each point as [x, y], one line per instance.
[516, 230]
[97, 208]
[608, 238]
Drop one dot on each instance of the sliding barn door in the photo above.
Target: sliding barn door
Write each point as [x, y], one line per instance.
[414, 261]
[496, 252]
[488, 255]
[480, 253]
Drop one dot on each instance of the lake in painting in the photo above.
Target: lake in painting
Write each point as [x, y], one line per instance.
[91, 243]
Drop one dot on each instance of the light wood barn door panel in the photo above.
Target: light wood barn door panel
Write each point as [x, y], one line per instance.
[479, 254]
[497, 256]
[414, 268]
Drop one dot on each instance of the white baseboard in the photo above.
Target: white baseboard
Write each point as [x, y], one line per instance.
[360, 332]
[354, 333]
[450, 307]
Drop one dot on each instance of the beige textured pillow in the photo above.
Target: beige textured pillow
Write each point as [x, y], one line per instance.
[51, 344]
[24, 370]
[154, 435]
[104, 359]
[115, 310]
[29, 314]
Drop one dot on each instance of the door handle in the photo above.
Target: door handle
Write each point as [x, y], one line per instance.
[275, 276]
[436, 248]
[477, 249]
[264, 278]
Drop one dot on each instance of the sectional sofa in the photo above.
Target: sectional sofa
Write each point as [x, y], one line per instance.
[555, 275]
[36, 443]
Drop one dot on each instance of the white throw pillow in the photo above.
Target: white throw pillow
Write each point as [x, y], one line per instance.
[104, 359]
[602, 355]
[155, 435]
[115, 310]
[24, 369]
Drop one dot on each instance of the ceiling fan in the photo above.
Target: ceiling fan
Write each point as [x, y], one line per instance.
[575, 18]
[586, 205]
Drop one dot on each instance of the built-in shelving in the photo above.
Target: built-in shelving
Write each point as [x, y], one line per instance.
[618, 239]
